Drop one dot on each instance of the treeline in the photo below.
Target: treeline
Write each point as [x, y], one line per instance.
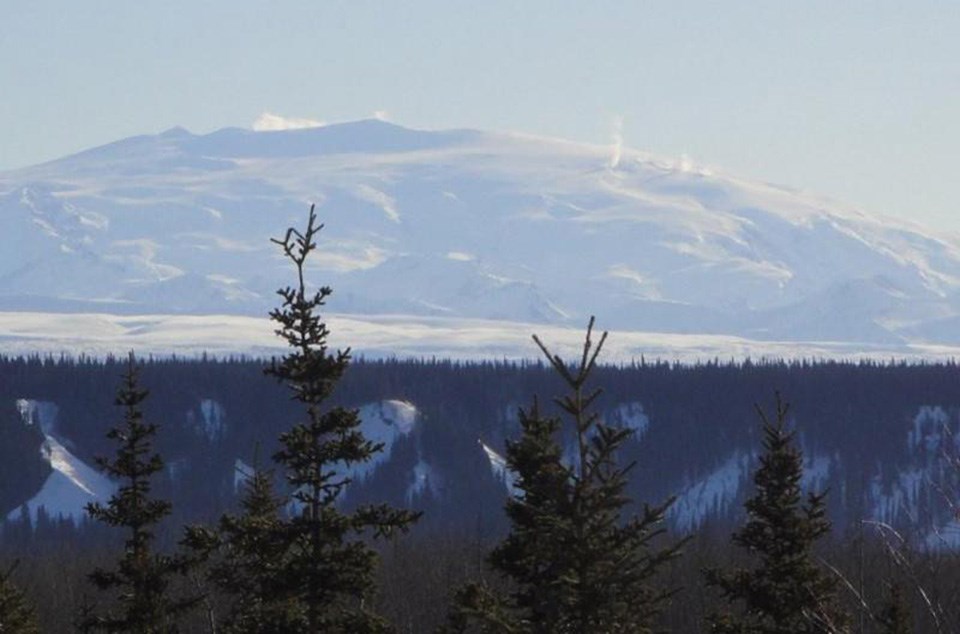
[860, 415]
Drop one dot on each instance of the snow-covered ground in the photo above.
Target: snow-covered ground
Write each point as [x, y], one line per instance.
[385, 336]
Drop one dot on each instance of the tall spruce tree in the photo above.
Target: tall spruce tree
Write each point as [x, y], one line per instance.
[17, 616]
[142, 577]
[786, 592]
[575, 563]
[328, 566]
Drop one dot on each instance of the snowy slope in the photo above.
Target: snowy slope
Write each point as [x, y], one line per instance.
[462, 225]
[387, 422]
[384, 422]
[712, 496]
[498, 466]
[73, 484]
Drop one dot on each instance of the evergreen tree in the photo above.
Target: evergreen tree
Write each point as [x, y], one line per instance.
[142, 577]
[574, 562]
[328, 567]
[786, 592]
[16, 615]
[245, 554]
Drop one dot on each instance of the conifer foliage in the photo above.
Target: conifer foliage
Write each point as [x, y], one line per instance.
[786, 592]
[245, 555]
[327, 566]
[575, 563]
[16, 615]
[142, 577]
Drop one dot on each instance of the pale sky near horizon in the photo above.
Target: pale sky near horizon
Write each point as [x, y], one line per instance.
[855, 100]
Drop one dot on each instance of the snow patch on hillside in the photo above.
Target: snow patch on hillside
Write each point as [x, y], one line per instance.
[73, 484]
[712, 495]
[498, 465]
[816, 472]
[242, 473]
[425, 479]
[384, 422]
[928, 429]
[212, 423]
[899, 500]
[631, 416]
[40, 413]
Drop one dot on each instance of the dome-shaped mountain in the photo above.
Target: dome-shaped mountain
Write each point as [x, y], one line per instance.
[465, 224]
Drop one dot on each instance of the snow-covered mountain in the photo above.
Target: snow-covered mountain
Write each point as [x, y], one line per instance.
[446, 226]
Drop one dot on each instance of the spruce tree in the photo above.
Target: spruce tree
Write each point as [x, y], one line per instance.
[574, 562]
[786, 592]
[141, 579]
[328, 567]
[17, 616]
[245, 555]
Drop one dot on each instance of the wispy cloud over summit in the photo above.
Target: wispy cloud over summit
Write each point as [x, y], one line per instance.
[269, 122]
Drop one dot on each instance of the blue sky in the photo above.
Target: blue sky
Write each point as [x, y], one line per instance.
[855, 100]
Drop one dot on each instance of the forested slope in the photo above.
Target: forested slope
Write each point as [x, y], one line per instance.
[881, 437]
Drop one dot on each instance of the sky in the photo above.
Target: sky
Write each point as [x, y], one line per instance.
[855, 100]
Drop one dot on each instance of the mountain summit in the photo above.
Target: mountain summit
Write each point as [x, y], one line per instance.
[458, 224]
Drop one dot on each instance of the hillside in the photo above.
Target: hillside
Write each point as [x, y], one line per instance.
[882, 438]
